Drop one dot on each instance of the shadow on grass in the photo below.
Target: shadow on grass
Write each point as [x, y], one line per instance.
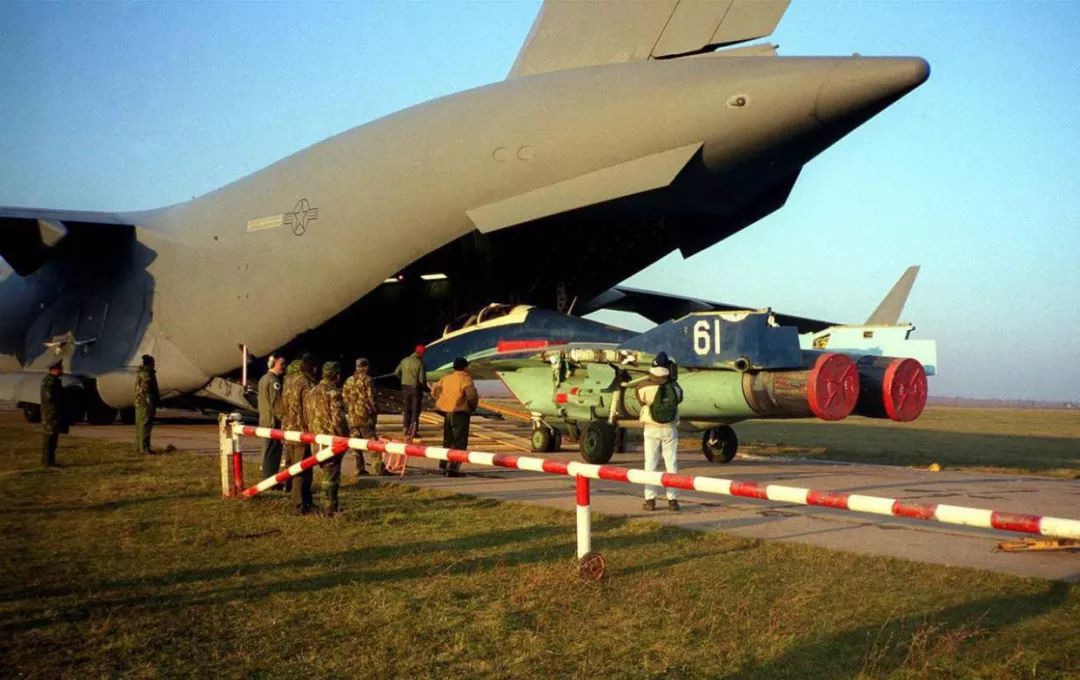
[54, 509]
[914, 643]
[349, 567]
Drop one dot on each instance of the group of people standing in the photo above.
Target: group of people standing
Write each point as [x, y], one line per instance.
[293, 398]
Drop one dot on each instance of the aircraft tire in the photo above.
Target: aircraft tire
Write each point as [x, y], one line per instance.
[100, 413]
[556, 441]
[74, 405]
[541, 440]
[620, 439]
[720, 444]
[127, 415]
[597, 442]
[32, 412]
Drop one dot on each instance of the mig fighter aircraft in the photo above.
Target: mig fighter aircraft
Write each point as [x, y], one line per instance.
[576, 375]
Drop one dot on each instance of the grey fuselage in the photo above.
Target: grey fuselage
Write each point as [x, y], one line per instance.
[252, 263]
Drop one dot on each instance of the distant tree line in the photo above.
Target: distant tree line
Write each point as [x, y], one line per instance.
[967, 402]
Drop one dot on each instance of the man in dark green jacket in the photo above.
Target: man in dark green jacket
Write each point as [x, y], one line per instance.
[147, 398]
[413, 376]
[270, 411]
[52, 414]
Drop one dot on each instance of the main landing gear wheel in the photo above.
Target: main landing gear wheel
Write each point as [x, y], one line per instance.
[98, 412]
[32, 413]
[127, 415]
[74, 405]
[597, 442]
[720, 444]
[620, 439]
[591, 566]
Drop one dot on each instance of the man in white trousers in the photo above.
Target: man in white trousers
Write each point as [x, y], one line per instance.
[659, 397]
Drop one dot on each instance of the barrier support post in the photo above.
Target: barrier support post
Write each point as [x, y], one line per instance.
[225, 439]
[590, 564]
[237, 460]
[584, 519]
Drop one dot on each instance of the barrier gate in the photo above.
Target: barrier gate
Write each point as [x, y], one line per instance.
[591, 564]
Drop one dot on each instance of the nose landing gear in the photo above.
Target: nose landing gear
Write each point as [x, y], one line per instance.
[719, 444]
[546, 439]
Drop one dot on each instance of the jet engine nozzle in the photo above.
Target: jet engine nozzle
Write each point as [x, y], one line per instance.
[828, 389]
[860, 87]
[892, 388]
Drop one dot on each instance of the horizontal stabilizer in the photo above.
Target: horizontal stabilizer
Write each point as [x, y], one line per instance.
[890, 340]
[575, 34]
[29, 238]
[890, 309]
[625, 179]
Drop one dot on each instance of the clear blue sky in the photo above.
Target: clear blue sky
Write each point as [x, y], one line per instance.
[975, 175]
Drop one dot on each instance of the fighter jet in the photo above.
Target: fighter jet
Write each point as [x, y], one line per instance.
[617, 137]
[577, 375]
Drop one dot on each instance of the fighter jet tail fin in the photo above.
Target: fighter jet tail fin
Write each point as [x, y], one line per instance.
[574, 34]
[29, 238]
[888, 312]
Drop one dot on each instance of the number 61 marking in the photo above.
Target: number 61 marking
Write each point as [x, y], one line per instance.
[704, 342]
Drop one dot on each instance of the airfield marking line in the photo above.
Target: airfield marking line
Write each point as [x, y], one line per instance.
[483, 431]
[1058, 527]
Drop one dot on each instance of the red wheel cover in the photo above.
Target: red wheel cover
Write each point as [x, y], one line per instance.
[833, 387]
[903, 390]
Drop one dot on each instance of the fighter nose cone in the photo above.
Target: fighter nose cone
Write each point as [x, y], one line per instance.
[861, 86]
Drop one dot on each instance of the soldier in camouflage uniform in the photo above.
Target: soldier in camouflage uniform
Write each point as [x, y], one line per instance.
[52, 414]
[299, 379]
[359, 395]
[324, 409]
[147, 398]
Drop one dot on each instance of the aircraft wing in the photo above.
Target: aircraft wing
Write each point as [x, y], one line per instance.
[661, 307]
[29, 237]
[569, 34]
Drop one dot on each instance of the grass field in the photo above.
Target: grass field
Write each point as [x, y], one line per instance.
[118, 565]
[1008, 440]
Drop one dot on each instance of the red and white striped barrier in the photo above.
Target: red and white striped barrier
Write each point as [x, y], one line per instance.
[1056, 527]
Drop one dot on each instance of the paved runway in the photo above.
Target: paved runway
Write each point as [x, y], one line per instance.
[834, 529]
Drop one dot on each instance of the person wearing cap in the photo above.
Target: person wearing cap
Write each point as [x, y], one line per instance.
[413, 376]
[270, 411]
[659, 397]
[53, 423]
[147, 399]
[360, 410]
[456, 397]
[299, 380]
[324, 410]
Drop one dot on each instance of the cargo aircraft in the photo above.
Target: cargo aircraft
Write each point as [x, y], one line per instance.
[623, 131]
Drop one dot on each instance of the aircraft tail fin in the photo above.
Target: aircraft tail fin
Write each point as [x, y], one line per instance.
[888, 312]
[574, 34]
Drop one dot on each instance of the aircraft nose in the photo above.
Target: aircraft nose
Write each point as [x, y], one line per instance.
[862, 86]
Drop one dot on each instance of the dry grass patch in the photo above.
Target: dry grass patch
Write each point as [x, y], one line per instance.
[125, 566]
[1044, 442]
